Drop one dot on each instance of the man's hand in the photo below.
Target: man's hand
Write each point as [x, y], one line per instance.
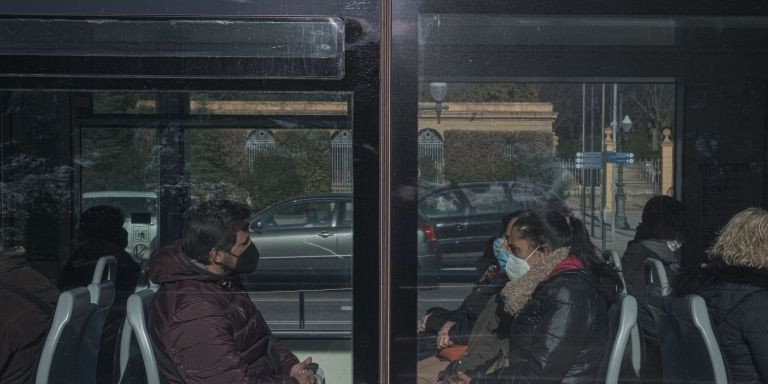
[443, 340]
[422, 326]
[300, 372]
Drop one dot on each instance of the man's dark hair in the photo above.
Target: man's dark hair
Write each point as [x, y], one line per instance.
[213, 224]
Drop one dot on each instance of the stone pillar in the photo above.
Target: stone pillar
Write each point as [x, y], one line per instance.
[667, 163]
[609, 147]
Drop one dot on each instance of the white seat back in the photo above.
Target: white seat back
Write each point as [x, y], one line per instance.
[627, 322]
[61, 351]
[138, 306]
[702, 357]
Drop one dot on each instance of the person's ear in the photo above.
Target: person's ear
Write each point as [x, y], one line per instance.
[544, 250]
[216, 256]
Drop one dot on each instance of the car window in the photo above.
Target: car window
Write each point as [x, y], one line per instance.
[347, 214]
[442, 204]
[301, 215]
[484, 199]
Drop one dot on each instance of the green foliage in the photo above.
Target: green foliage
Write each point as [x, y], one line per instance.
[484, 92]
[311, 151]
[124, 102]
[275, 175]
[118, 159]
[479, 156]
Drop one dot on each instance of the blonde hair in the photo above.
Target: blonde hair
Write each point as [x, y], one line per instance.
[743, 241]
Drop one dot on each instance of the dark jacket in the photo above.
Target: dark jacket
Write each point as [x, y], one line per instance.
[561, 335]
[209, 327]
[467, 313]
[737, 299]
[78, 272]
[29, 300]
[633, 268]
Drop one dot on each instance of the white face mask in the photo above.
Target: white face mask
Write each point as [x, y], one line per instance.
[518, 267]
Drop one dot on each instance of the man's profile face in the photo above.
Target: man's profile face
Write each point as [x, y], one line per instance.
[230, 257]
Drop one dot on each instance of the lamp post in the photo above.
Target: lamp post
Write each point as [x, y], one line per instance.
[621, 197]
[438, 90]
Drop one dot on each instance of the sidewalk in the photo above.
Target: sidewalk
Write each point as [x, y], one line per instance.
[614, 240]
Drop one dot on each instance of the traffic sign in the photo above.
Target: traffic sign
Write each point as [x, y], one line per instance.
[623, 161]
[585, 160]
[589, 165]
[620, 155]
[589, 154]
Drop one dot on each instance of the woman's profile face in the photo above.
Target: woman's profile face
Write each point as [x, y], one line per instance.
[523, 248]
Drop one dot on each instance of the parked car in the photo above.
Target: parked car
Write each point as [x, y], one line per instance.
[140, 210]
[464, 216]
[315, 231]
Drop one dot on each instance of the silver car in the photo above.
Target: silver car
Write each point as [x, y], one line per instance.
[314, 232]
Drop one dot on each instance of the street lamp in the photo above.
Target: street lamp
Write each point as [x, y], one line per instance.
[621, 197]
[438, 90]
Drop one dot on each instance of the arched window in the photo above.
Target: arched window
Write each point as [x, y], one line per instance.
[430, 156]
[258, 141]
[341, 161]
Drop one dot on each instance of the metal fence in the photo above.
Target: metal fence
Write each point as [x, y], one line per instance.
[341, 161]
[431, 161]
[642, 180]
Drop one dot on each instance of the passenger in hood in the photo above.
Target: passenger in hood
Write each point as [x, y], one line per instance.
[204, 325]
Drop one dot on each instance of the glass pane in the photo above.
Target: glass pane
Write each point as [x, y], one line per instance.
[282, 163]
[118, 168]
[88, 174]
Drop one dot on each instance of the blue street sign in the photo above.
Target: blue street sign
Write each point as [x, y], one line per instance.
[620, 155]
[589, 160]
[589, 165]
[622, 161]
[589, 154]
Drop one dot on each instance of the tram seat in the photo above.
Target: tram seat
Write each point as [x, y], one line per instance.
[635, 344]
[702, 358]
[137, 310]
[626, 322]
[102, 294]
[657, 297]
[61, 351]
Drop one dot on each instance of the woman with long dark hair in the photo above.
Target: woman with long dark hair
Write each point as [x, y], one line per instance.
[562, 291]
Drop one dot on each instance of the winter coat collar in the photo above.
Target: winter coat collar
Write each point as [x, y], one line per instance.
[12, 259]
[170, 264]
[517, 293]
[570, 262]
[717, 273]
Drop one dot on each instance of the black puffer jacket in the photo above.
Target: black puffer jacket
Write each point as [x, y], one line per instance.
[467, 313]
[737, 299]
[560, 336]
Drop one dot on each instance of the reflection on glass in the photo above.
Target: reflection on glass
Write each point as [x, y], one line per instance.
[124, 102]
[118, 167]
[488, 149]
[292, 165]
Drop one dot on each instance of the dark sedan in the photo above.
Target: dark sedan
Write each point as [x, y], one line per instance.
[465, 215]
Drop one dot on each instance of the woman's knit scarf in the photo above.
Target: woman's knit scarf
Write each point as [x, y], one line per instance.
[517, 293]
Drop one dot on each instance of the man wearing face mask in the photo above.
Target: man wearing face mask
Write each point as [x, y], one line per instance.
[659, 236]
[203, 324]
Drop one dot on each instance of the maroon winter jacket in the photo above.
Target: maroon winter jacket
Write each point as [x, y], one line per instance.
[208, 326]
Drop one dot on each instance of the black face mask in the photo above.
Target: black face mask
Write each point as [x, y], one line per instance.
[247, 261]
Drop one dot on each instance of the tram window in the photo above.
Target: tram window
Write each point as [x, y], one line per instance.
[282, 154]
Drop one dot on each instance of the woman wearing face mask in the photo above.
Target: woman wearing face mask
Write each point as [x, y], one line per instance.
[443, 333]
[560, 292]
